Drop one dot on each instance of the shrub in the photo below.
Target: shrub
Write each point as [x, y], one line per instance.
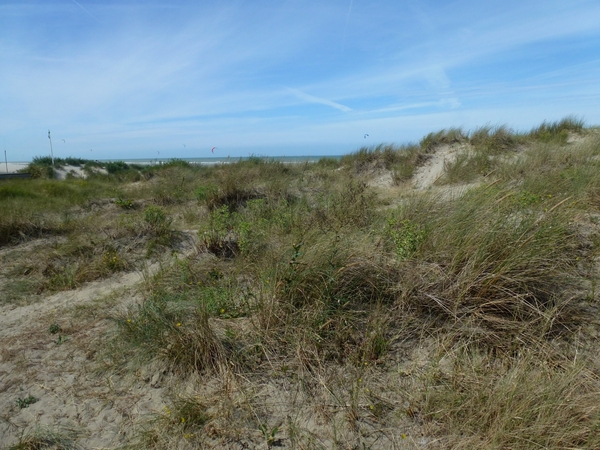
[114, 167]
[157, 220]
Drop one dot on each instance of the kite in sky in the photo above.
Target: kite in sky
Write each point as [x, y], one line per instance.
[213, 149]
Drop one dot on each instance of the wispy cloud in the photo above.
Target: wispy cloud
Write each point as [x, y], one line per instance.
[215, 71]
[318, 100]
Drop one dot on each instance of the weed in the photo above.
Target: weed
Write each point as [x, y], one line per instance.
[25, 402]
[125, 203]
[113, 261]
[158, 222]
[406, 237]
[268, 434]
[217, 237]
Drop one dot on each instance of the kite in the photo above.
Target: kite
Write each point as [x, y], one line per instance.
[213, 149]
[366, 136]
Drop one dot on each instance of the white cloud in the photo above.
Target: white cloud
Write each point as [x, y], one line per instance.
[146, 72]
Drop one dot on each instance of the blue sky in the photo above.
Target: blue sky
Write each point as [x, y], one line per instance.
[141, 79]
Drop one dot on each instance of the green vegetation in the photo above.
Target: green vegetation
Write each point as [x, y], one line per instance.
[468, 320]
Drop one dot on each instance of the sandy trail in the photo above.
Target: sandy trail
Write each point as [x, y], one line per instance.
[61, 372]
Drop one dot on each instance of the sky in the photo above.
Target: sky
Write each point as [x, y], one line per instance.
[173, 79]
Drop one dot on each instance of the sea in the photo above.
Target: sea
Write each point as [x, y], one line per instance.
[228, 160]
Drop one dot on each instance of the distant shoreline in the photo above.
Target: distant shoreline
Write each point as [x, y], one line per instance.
[14, 167]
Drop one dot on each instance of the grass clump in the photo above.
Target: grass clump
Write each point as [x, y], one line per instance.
[174, 330]
[493, 140]
[401, 160]
[518, 403]
[487, 262]
[447, 136]
[42, 438]
[557, 132]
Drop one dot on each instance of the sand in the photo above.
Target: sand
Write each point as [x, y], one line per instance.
[61, 173]
[12, 167]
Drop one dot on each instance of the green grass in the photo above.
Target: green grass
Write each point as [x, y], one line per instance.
[306, 294]
[518, 403]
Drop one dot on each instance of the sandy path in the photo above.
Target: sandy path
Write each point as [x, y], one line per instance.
[62, 373]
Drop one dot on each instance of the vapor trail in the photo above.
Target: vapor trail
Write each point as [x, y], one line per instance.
[91, 15]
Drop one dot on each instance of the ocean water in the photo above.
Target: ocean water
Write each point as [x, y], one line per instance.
[213, 161]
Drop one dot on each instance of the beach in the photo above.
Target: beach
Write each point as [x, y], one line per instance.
[12, 167]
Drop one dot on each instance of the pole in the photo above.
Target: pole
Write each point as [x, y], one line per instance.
[5, 161]
[51, 152]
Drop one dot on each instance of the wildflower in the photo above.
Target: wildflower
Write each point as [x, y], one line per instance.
[360, 380]
[128, 320]
[403, 436]
[371, 407]
[222, 311]
[178, 324]
[183, 420]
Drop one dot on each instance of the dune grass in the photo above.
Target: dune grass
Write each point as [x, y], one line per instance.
[307, 296]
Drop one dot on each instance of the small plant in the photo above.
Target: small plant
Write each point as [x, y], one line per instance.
[57, 329]
[113, 262]
[125, 203]
[217, 237]
[268, 435]
[406, 237]
[157, 220]
[25, 402]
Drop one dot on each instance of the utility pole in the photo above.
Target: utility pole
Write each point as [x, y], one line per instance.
[5, 161]
[51, 152]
